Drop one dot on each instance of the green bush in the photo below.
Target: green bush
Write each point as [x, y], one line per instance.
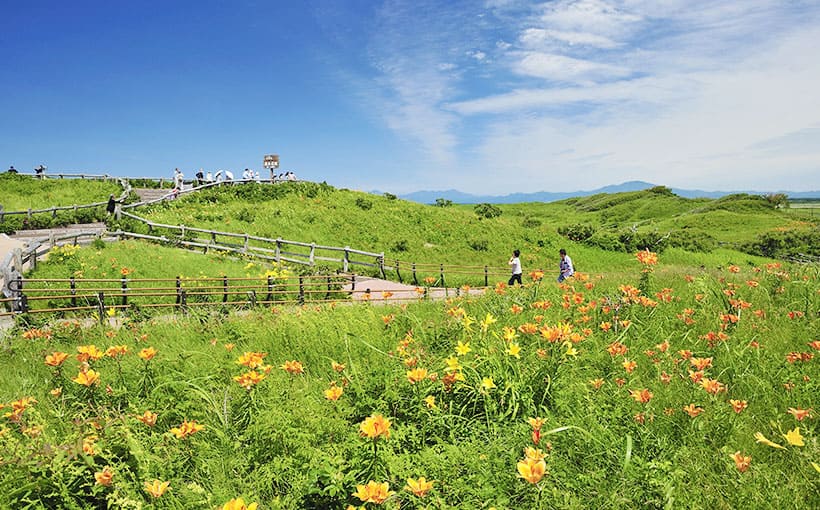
[364, 204]
[479, 244]
[531, 222]
[577, 232]
[487, 211]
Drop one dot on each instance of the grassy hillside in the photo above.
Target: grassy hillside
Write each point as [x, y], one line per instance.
[619, 223]
[23, 192]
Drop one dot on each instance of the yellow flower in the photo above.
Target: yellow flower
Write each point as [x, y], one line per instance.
[571, 351]
[514, 350]
[487, 383]
[333, 393]
[157, 488]
[761, 439]
[794, 438]
[239, 504]
[251, 359]
[418, 487]
[452, 364]
[508, 334]
[467, 322]
[56, 359]
[249, 379]
[536, 423]
[87, 378]
[531, 470]
[463, 348]
[374, 426]
[487, 322]
[373, 492]
[430, 401]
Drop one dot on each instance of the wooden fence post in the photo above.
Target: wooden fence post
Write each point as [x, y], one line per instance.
[183, 301]
[245, 246]
[486, 277]
[327, 296]
[380, 260]
[124, 290]
[443, 284]
[224, 289]
[179, 289]
[312, 254]
[301, 290]
[346, 261]
[101, 306]
[415, 279]
[73, 286]
[397, 271]
[252, 298]
[270, 289]
[278, 254]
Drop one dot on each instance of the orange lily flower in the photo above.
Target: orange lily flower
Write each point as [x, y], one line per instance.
[157, 488]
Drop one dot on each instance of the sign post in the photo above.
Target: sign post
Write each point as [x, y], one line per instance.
[271, 162]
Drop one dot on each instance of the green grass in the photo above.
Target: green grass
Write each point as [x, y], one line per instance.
[284, 445]
[23, 192]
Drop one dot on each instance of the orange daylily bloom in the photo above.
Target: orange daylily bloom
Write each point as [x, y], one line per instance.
[416, 375]
[647, 257]
[375, 426]
[56, 359]
[419, 487]
[147, 353]
[187, 428]
[800, 414]
[738, 405]
[249, 379]
[157, 488]
[148, 418]
[531, 470]
[712, 386]
[596, 383]
[701, 363]
[741, 462]
[693, 410]
[239, 504]
[251, 359]
[104, 477]
[87, 378]
[334, 392]
[643, 396]
[293, 367]
[629, 366]
[88, 352]
[373, 492]
[116, 351]
[338, 367]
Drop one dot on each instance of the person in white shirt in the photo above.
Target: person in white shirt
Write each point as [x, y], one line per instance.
[565, 266]
[515, 265]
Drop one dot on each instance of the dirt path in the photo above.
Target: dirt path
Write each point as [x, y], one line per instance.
[367, 288]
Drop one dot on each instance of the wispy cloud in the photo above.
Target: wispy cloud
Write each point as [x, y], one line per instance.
[573, 93]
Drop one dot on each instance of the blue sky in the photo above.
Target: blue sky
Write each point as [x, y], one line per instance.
[488, 97]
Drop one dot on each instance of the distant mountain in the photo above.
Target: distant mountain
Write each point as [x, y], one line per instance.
[459, 197]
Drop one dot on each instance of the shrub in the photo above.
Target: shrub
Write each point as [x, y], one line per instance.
[692, 240]
[401, 245]
[364, 204]
[479, 244]
[390, 196]
[577, 232]
[443, 202]
[531, 222]
[487, 211]
[606, 240]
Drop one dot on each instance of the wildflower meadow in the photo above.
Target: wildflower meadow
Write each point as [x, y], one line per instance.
[659, 389]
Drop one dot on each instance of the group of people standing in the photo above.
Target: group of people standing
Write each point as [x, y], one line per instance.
[564, 266]
[227, 175]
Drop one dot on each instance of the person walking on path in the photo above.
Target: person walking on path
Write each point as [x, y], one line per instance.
[565, 266]
[515, 265]
[111, 206]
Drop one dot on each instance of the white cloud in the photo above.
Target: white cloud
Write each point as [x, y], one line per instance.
[561, 68]
[538, 38]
